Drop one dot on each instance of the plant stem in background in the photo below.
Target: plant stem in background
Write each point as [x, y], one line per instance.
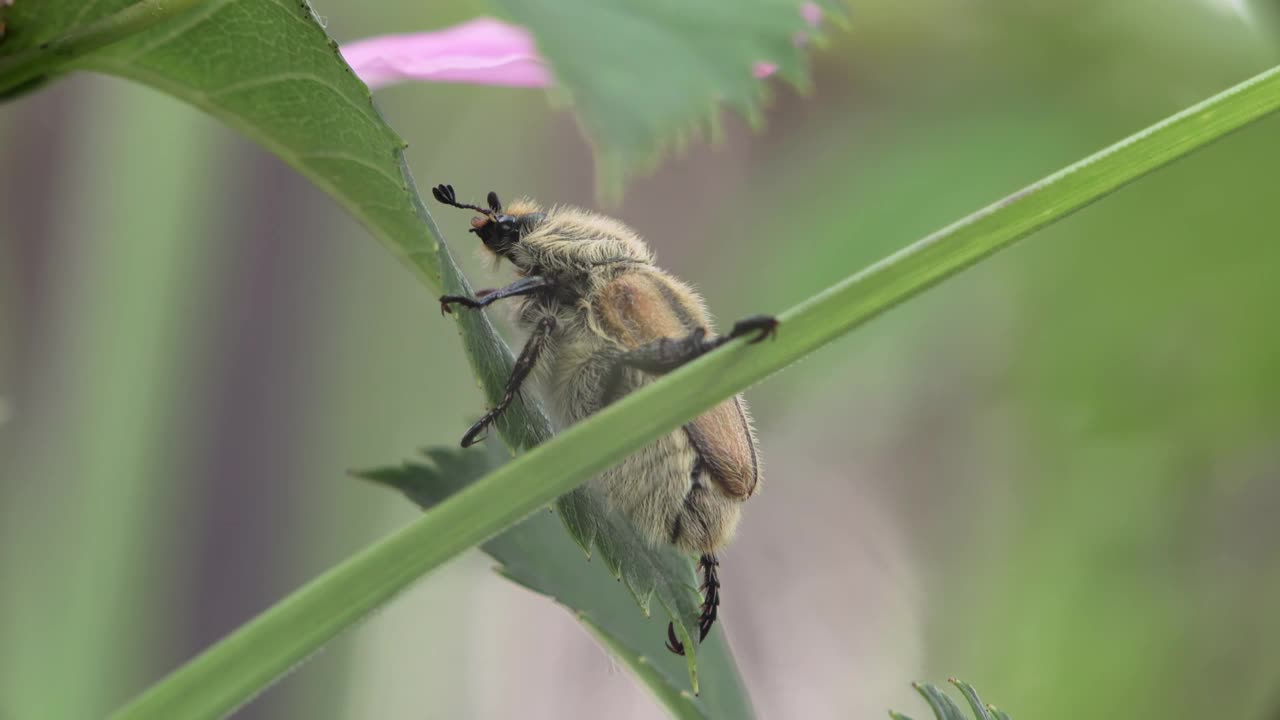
[96, 462]
[236, 668]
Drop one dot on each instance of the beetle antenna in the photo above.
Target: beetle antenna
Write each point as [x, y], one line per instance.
[446, 195]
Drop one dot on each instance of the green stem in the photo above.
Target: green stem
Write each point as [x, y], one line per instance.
[236, 668]
[47, 57]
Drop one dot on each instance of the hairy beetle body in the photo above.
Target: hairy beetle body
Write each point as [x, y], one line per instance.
[604, 320]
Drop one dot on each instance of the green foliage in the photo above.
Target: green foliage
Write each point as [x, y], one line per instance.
[278, 79]
[944, 708]
[537, 554]
[284, 61]
[659, 72]
[656, 78]
[282, 83]
[259, 651]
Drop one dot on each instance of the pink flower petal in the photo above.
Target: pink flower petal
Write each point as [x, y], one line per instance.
[811, 13]
[764, 69]
[482, 51]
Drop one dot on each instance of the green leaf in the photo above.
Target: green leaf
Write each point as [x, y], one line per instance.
[537, 554]
[278, 79]
[944, 708]
[42, 38]
[971, 696]
[643, 74]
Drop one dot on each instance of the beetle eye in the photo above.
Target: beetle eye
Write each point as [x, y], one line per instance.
[508, 229]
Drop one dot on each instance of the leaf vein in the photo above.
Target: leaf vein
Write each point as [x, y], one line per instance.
[355, 160]
[179, 28]
[84, 10]
[290, 76]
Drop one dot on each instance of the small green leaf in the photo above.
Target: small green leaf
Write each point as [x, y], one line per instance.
[646, 74]
[538, 554]
[943, 706]
[971, 696]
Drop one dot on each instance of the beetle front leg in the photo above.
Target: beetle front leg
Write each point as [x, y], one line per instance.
[483, 298]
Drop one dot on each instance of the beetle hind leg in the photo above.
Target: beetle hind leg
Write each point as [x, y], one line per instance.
[710, 595]
[710, 604]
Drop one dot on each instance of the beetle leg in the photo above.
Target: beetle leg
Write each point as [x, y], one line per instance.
[666, 354]
[710, 604]
[524, 286]
[519, 373]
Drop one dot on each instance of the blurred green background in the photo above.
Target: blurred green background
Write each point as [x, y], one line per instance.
[1055, 477]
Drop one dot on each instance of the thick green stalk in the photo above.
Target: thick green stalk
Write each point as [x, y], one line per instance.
[233, 670]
